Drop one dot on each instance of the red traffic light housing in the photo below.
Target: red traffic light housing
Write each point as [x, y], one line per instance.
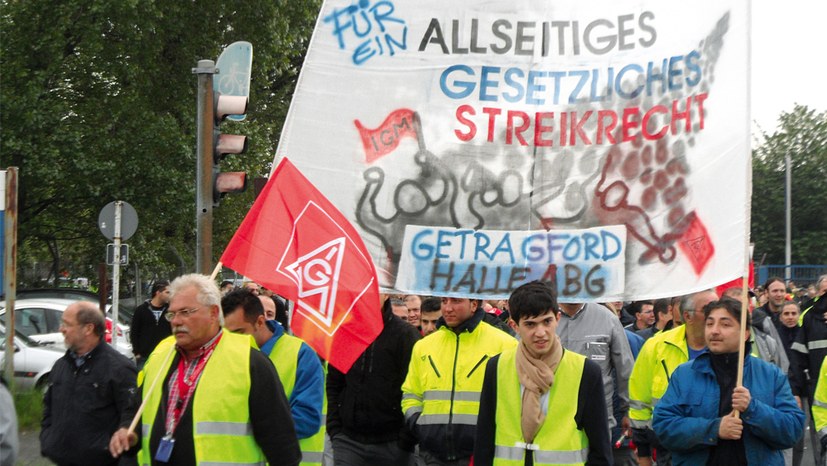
[223, 144]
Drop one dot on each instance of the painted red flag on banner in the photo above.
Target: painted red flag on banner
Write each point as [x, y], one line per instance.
[384, 139]
[296, 243]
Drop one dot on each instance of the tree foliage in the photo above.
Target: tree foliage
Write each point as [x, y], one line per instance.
[98, 104]
[803, 135]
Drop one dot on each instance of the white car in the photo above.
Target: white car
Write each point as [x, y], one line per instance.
[33, 361]
[39, 319]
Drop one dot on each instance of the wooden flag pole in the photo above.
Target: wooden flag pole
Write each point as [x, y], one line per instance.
[216, 270]
[138, 414]
[739, 381]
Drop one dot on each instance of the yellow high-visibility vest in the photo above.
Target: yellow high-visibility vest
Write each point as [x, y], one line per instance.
[285, 356]
[559, 441]
[221, 428]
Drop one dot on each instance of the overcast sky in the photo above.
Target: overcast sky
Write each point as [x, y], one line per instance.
[788, 67]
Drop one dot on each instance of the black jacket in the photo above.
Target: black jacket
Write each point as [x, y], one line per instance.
[809, 350]
[84, 406]
[366, 403]
[145, 331]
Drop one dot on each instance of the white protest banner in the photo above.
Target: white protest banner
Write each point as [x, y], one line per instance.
[524, 116]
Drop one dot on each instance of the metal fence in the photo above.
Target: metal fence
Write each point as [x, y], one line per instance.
[802, 275]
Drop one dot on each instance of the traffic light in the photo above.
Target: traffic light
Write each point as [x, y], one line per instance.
[223, 144]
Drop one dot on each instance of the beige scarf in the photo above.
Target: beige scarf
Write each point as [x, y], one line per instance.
[536, 376]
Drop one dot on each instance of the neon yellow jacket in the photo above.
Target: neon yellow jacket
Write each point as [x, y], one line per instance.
[658, 358]
[820, 402]
[441, 393]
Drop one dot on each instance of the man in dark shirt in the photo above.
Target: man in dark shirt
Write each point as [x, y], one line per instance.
[364, 417]
[148, 325]
[91, 392]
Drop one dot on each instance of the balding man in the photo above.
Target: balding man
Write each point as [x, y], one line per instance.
[91, 392]
[661, 355]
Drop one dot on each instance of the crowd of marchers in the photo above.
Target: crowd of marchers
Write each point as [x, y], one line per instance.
[218, 378]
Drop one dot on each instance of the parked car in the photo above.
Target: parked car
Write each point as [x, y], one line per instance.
[39, 319]
[126, 306]
[33, 361]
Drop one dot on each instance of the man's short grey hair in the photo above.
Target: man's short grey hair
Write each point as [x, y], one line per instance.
[791, 303]
[688, 302]
[821, 280]
[208, 293]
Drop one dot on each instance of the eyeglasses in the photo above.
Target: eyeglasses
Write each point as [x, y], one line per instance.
[67, 324]
[185, 313]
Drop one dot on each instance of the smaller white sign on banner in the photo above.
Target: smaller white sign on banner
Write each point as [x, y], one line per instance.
[587, 264]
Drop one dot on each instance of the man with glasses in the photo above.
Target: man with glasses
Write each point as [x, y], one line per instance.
[91, 392]
[217, 400]
[658, 358]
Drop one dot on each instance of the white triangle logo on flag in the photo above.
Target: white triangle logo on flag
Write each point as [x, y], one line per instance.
[317, 276]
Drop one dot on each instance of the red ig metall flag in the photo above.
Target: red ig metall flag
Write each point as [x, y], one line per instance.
[295, 242]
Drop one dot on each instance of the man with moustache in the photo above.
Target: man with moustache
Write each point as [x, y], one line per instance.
[540, 403]
[706, 417]
[218, 399]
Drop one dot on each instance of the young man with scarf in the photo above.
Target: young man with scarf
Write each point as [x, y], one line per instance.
[540, 381]
[696, 418]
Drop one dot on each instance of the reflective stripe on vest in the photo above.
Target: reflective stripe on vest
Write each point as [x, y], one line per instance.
[635, 404]
[558, 442]
[445, 395]
[465, 419]
[541, 457]
[285, 356]
[816, 344]
[220, 406]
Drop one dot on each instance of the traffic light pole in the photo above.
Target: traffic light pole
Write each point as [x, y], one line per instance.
[204, 166]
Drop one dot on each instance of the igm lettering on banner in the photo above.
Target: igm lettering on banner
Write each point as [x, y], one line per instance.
[479, 262]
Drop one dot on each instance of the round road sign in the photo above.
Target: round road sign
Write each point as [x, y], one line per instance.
[129, 221]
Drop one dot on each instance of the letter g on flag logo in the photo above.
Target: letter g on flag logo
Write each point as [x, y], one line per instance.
[327, 291]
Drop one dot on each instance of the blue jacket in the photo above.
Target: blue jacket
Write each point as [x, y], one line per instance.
[308, 391]
[635, 342]
[686, 420]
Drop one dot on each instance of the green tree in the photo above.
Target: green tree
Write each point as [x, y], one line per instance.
[97, 104]
[803, 135]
